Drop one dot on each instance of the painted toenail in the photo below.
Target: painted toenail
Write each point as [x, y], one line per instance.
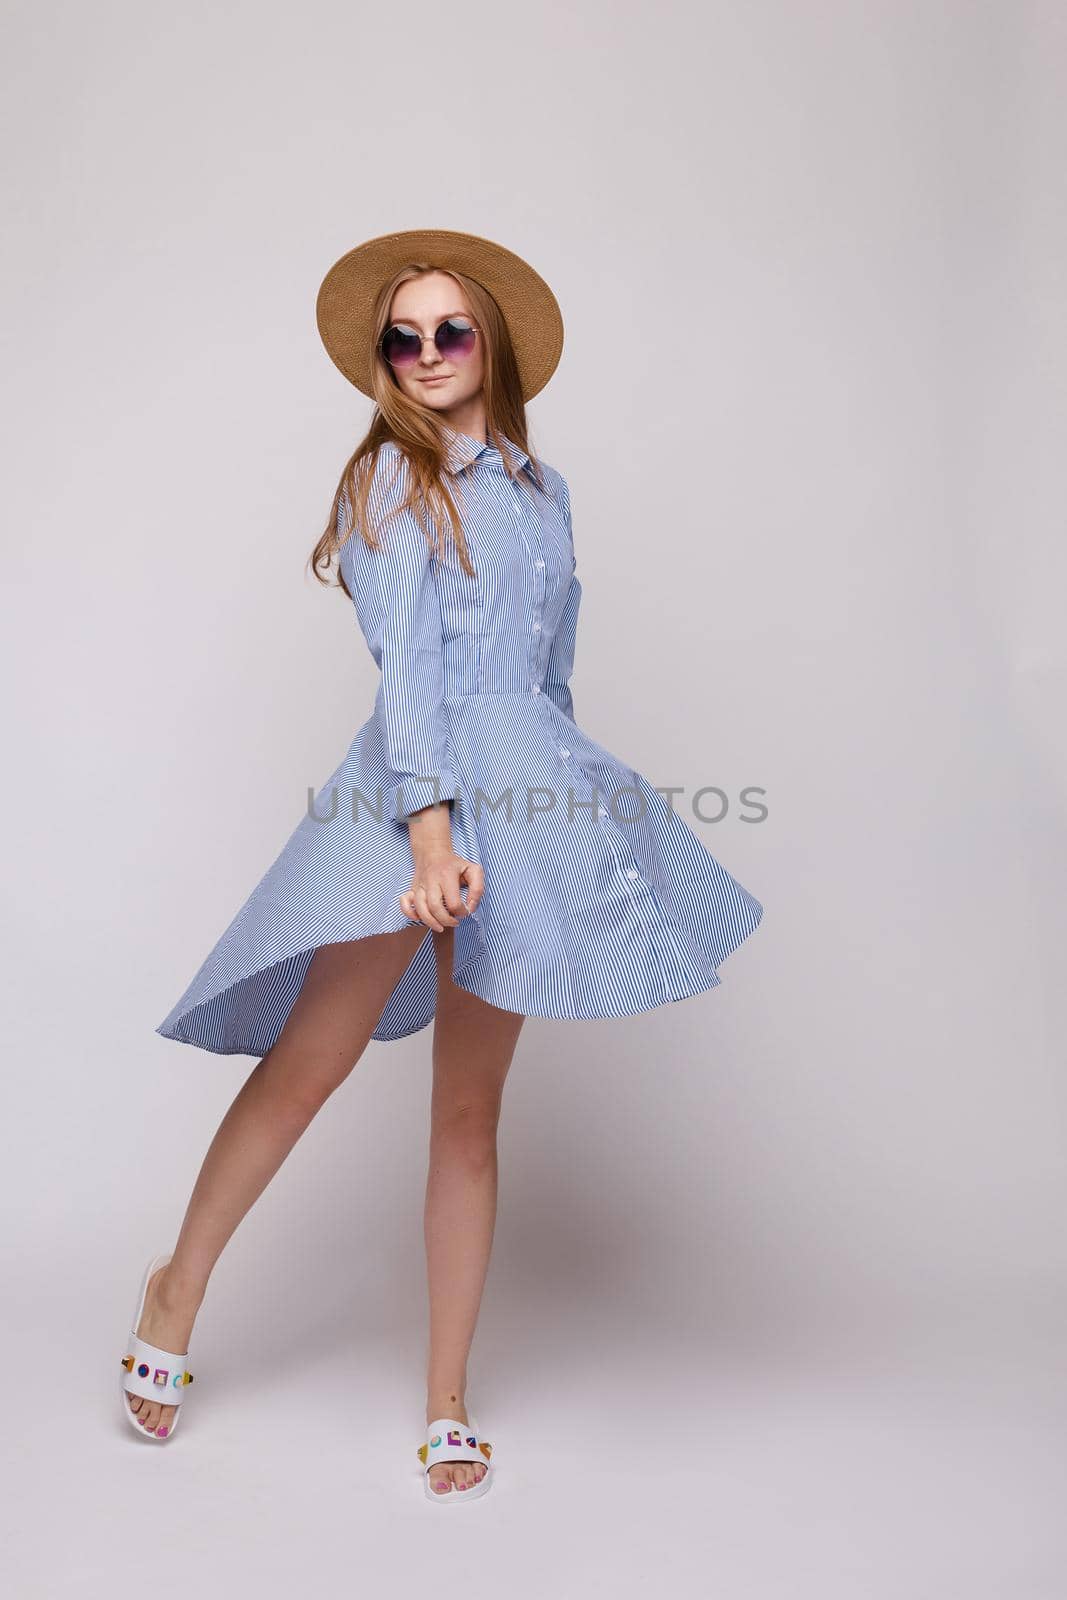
[162, 1432]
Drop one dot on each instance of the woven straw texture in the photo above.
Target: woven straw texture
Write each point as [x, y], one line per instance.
[345, 306]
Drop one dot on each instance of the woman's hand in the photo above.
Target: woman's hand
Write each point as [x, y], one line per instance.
[434, 896]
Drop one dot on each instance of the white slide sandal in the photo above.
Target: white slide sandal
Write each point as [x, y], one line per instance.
[150, 1372]
[450, 1440]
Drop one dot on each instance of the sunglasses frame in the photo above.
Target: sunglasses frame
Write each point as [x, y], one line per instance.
[471, 326]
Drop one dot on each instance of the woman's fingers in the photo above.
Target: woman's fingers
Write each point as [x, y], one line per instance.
[410, 906]
[428, 913]
[435, 899]
[449, 881]
[475, 880]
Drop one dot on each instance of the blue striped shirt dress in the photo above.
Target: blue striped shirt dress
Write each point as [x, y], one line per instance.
[599, 899]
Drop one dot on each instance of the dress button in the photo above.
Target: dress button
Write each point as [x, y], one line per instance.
[537, 688]
[630, 873]
[537, 627]
[563, 752]
[539, 563]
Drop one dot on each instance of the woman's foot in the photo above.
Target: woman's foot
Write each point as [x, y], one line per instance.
[167, 1321]
[444, 1474]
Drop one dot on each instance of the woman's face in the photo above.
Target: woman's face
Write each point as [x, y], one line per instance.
[433, 380]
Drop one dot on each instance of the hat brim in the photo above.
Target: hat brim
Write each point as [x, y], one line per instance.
[344, 309]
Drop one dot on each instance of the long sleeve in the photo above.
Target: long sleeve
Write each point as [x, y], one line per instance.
[394, 589]
[560, 662]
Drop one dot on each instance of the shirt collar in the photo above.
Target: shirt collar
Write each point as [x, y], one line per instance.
[462, 450]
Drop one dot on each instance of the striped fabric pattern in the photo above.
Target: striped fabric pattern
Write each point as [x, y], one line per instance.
[600, 900]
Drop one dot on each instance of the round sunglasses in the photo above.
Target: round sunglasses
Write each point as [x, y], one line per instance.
[401, 344]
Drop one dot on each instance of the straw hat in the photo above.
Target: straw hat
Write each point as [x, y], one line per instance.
[344, 309]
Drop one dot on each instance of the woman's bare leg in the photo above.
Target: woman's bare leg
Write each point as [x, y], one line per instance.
[338, 1007]
[473, 1045]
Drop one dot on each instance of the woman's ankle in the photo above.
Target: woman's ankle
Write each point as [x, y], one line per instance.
[448, 1401]
[177, 1294]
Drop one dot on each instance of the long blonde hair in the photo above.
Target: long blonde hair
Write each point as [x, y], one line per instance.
[420, 436]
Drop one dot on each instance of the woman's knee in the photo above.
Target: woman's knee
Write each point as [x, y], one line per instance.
[300, 1081]
[467, 1128]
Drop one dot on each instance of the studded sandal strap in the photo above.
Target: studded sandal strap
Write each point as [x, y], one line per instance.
[447, 1439]
[155, 1374]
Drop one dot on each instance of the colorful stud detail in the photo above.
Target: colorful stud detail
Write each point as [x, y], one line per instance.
[160, 1376]
[127, 1362]
[423, 1450]
[142, 1370]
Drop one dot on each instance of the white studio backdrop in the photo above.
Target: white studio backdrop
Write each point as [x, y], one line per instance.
[811, 409]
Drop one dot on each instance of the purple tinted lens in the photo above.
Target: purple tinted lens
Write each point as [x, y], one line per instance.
[455, 338]
[401, 346]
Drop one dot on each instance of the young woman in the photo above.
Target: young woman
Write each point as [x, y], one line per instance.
[476, 858]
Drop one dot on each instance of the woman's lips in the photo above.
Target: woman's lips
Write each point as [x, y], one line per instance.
[443, 379]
